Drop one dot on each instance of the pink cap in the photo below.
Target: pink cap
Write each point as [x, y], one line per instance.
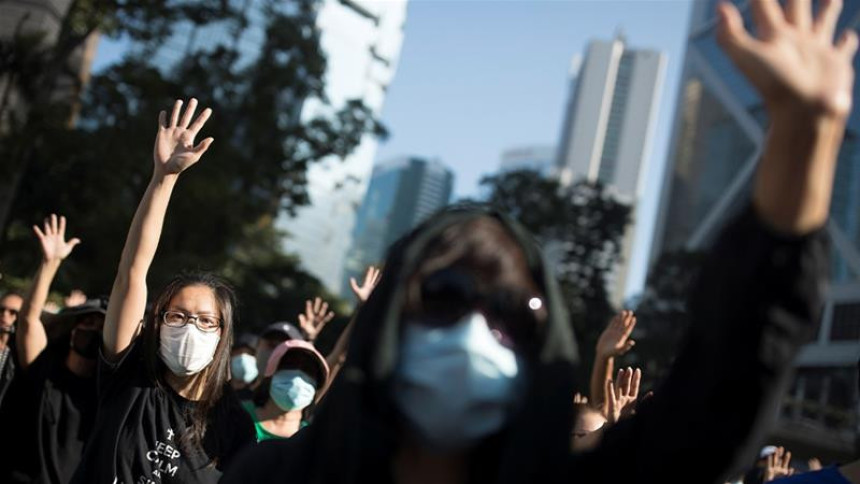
[296, 345]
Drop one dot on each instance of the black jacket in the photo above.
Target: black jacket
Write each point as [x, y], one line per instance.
[758, 299]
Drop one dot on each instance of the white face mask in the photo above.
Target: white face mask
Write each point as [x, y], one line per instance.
[187, 350]
[456, 384]
[292, 390]
[244, 368]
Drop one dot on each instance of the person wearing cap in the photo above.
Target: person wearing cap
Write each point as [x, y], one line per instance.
[271, 336]
[243, 366]
[293, 379]
[55, 398]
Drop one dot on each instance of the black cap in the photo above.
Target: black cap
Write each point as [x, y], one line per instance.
[246, 340]
[64, 320]
[282, 331]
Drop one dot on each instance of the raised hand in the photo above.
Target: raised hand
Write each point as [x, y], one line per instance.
[174, 148]
[316, 316]
[579, 398]
[53, 239]
[371, 279]
[615, 339]
[621, 395]
[793, 61]
[778, 465]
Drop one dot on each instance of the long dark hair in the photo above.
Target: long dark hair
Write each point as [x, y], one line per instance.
[210, 382]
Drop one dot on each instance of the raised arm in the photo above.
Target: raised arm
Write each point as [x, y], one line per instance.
[31, 338]
[173, 153]
[362, 292]
[759, 296]
[614, 341]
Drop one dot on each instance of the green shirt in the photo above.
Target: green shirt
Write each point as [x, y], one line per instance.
[262, 433]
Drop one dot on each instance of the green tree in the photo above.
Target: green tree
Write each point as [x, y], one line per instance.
[580, 228]
[662, 311]
[222, 218]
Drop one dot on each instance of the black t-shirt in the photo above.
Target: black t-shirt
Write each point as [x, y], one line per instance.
[54, 413]
[141, 434]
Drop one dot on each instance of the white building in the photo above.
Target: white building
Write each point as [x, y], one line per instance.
[609, 127]
[362, 40]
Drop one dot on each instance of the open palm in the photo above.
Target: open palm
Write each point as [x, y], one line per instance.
[174, 148]
[793, 58]
[53, 239]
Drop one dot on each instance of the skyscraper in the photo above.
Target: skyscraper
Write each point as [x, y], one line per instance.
[362, 40]
[718, 136]
[403, 192]
[608, 127]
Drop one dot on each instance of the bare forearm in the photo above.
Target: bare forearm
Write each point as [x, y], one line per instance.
[602, 371]
[794, 182]
[30, 336]
[128, 297]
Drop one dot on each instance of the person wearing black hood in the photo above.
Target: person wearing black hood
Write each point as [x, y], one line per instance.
[55, 396]
[461, 364]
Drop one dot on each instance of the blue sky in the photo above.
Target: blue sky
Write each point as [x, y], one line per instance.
[477, 77]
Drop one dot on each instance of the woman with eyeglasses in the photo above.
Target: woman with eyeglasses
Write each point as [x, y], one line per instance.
[166, 411]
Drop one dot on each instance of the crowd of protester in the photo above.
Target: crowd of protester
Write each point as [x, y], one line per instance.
[459, 362]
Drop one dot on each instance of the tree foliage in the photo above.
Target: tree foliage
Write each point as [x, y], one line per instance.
[662, 311]
[581, 229]
[222, 213]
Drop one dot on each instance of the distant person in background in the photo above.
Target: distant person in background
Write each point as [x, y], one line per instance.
[243, 366]
[269, 339]
[56, 398]
[295, 378]
[10, 307]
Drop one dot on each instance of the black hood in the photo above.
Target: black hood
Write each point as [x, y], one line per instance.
[356, 426]
[354, 433]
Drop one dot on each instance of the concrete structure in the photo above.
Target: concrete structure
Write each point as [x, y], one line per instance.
[718, 136]
[609, 127]
[403, 192]
[362, 41]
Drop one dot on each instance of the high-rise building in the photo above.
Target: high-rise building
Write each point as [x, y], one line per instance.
[538, 158]
[718, 137]
[403, 192]
[608, 128]
[361, 40]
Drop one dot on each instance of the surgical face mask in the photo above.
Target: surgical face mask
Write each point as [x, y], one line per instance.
[292, 390]
[86, 342]
[243, 368]
[456, 384]
[186, 350]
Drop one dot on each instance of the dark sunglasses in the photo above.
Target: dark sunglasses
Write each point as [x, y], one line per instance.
[449, 294]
